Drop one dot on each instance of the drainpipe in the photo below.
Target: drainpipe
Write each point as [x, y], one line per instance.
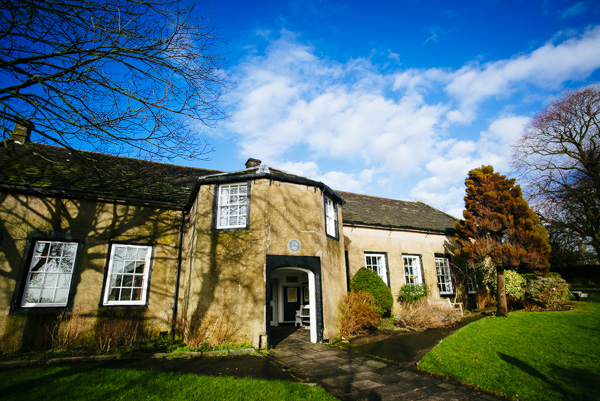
[177, 277]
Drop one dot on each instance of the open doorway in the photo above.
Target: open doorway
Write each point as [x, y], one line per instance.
[294, 295]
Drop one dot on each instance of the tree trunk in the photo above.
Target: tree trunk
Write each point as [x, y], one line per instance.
[501, 293]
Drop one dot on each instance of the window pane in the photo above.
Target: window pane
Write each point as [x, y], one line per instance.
[127, 280]
[51, 281]
[52, 265]
[70, 250]
[136, 294]
[38, 264]
[61, 295]
[41, 248]
[115, 280]
[66, 265]
[114, 294]
[47, 296]
[36, 280]
[56, 249]
[33, 295]
[119, 252]
[129, 267]
[138, 281]
[126, 294]
[130, 253]
[64, 281]
[141, 253]
[139, 267]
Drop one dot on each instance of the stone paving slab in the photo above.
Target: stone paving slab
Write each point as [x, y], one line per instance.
[356, 377]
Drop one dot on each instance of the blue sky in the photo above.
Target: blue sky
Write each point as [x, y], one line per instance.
[398, 99]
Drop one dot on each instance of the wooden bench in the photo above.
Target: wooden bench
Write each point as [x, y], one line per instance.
[579, 295]
[445, 302]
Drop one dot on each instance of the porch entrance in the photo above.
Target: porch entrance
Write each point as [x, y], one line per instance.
[294, 295]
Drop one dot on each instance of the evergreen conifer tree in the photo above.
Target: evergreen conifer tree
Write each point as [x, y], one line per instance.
[498, 224]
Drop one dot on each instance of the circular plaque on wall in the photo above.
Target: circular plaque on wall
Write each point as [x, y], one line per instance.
[294, 245]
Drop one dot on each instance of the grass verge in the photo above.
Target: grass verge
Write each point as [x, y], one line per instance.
[72, 382]
[527, 355]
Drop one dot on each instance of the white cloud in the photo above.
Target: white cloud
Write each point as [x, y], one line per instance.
[547, 66]
[408, 133]
[447, 172]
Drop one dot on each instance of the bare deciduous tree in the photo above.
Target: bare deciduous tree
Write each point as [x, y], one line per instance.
[119, 75]
[559, 157]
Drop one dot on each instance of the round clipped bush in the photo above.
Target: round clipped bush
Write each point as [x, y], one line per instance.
[413, 292]
[368, 281]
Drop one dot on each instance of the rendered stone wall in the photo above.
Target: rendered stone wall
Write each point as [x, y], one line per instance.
[99, 223]
[395, 244]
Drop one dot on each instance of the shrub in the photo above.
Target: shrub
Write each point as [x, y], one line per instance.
[547, 292]
[359, 312]
[484, 299]
[368, 281]
[513, 283]
[413, 292]
[420, 316]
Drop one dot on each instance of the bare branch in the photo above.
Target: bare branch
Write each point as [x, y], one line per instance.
[559, 157]
[139, 74]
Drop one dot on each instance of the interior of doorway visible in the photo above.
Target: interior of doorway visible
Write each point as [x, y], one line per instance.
[292, 300]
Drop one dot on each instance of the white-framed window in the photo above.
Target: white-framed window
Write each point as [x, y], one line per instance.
[232, 208]
[331, 218]
[442, 267]
[412, 269]
[377, 262]
[50, 274]
[128, 274]
[471, 282]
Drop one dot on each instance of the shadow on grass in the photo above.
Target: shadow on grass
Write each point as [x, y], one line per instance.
[570, 383]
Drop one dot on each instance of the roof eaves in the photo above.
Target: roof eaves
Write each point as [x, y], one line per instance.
[359, 224]
[76, 194]
[245, 176]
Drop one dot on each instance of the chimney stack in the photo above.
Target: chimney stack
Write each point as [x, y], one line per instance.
[253, 163]
[22, 132]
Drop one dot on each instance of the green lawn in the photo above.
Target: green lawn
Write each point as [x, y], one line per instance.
[527, 355]
[101, 384]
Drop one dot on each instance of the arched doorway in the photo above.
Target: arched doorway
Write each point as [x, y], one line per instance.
[294, 283]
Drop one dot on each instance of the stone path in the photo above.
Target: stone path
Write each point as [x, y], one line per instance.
[350, 376]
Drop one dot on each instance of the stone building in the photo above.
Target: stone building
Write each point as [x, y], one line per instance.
[123, 239]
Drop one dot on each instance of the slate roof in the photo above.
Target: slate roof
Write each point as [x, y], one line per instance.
[45, 169]
[372, 211]
[54, 170]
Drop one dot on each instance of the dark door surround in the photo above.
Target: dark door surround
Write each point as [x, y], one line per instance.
[310, 263]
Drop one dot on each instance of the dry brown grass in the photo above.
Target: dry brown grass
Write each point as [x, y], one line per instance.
[68, 331]
[484, 299]
[211, 331]
[359, 313]
[420, 316]
[115, 332]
